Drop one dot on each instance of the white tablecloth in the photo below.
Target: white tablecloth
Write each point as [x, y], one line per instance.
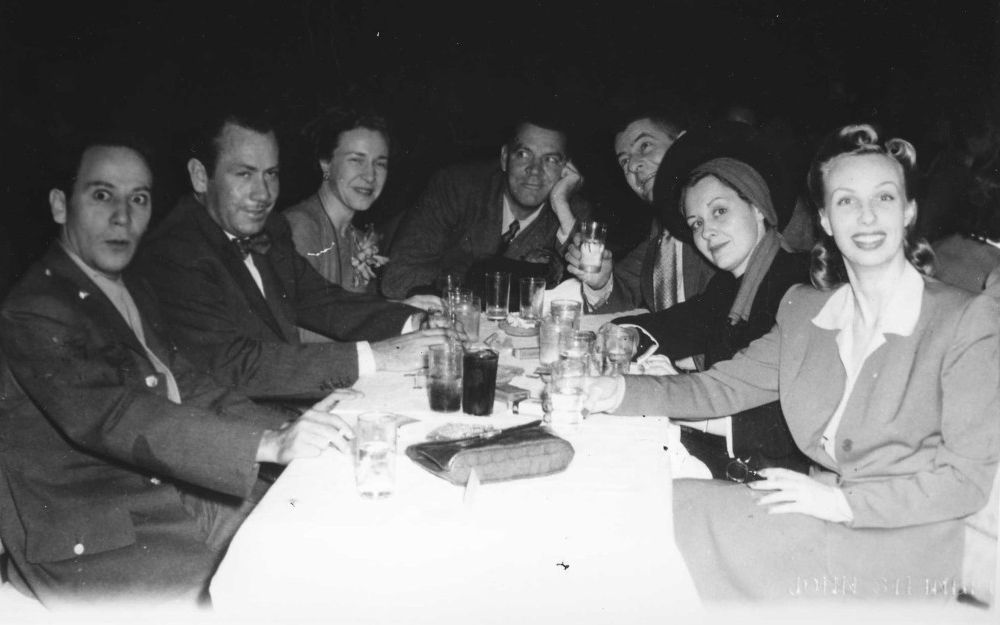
[592, 544]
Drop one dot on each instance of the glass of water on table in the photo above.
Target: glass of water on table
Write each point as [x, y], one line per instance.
[375, 454]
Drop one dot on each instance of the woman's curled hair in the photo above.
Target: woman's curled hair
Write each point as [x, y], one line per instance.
[827, 267]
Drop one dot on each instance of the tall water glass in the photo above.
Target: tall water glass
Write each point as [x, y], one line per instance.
[550, 333]
[466, 313]
[444, 377]
[497, 295]
[592, 236]
[532, 297]
[375, 454]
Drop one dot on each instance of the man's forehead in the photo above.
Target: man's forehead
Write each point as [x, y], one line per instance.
[540, 140]
[248, 146]
[637, 129]
[113, 166]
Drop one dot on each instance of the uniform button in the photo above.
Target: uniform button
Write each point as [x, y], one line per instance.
[151, 381]
[155, 481]
[847, 445]
[78, 549]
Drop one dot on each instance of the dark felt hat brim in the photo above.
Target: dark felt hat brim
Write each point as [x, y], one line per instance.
[718, 140]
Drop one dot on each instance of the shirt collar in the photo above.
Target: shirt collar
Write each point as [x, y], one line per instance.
[899, 317]
[508, 216]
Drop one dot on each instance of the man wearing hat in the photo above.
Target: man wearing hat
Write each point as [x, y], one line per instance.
[734, 197]
[661, 271]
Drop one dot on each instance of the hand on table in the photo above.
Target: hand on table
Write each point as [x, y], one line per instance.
[595, 280]
[603, 393]
[406, 352]
[795, 492]
[305, 437]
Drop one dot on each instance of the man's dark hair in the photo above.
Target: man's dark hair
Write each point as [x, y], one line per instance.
[205, 141]
[323, 133]
[70, 156]
[672, 115]
[547, 117]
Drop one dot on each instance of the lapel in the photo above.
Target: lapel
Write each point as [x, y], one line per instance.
[91, 298]
[233, 262]
[495, 208]
[277, 300]
[146, 304]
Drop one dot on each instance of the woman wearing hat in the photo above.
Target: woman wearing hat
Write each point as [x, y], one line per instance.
[719, 180]
[890, 382]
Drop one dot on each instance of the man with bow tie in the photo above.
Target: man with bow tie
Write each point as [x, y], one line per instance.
[501, 214]
[124, 469]
[235, 291]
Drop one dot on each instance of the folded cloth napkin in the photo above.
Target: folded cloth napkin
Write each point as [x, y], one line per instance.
[570, 289]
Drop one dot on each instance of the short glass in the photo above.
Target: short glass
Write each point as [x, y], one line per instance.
[581, 346]
[564, 393]
[617, 346]
[532, 297]
[592, 237]
[568, 310]
[497, 288]
[444, 377]
[375, 454]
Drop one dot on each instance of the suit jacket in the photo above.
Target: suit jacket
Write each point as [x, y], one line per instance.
[249, 342]
[965, 262]
[918, 443]
[106, 486]
[701, 325]
[457, 221]
[633, 275]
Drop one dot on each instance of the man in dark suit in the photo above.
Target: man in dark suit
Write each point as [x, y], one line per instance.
[235, 291]
[662, 270]
[124, 472]
[523, 208]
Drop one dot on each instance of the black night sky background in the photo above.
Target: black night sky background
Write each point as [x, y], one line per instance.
[447, 72]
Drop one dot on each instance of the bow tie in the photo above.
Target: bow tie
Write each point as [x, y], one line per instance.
[258, 243]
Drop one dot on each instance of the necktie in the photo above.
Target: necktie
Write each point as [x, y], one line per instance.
[508, 236]
[665, 273]
[258, 243]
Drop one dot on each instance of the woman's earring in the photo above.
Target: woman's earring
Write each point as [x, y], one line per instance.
[326, 175]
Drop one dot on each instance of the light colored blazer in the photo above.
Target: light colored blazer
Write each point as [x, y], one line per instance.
[920, 437]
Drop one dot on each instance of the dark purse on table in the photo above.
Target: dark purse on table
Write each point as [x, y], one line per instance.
[519, 452]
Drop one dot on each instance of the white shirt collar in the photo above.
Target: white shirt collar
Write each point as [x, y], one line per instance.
[508, 217]
[899, 316]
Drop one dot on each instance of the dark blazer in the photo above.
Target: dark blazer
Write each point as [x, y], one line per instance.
[107, 488]
[457, 221]
[701, 326]
[219, 316]
[633, 275]
[965, 262]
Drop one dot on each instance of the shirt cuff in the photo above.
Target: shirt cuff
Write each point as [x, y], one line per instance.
[408, 326]
[366, 358]
[653, 343]
[562, 237]
[598, 297]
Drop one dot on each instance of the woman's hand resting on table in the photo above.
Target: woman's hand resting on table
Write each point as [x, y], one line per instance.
[794, 492]
[603, 393]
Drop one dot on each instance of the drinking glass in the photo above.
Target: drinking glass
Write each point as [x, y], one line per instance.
[550, 333]
[568, 310]
[580, 346]
[564, 394]
[444, 377]
[466, 313]
[479, 381]
[375, 454]
[532, 297]
[592, 236]
[497, 295]
[617, 347]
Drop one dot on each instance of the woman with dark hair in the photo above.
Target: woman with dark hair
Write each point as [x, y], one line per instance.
[966, 258]
[352, 150]
[730, 188]
[889, 381]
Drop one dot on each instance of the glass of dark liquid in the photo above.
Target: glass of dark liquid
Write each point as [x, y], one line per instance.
[479, 381]
[444, 377]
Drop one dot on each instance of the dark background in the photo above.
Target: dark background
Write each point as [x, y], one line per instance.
[448, 72]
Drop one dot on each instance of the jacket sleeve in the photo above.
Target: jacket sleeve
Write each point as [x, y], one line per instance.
[683, 329]
[91, 392]
[965, 461]
[422, 249]
[747, 380]
[308, 242]
[626, 276]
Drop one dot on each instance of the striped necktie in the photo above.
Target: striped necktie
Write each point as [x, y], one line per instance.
[508, 237]
[665, 273]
